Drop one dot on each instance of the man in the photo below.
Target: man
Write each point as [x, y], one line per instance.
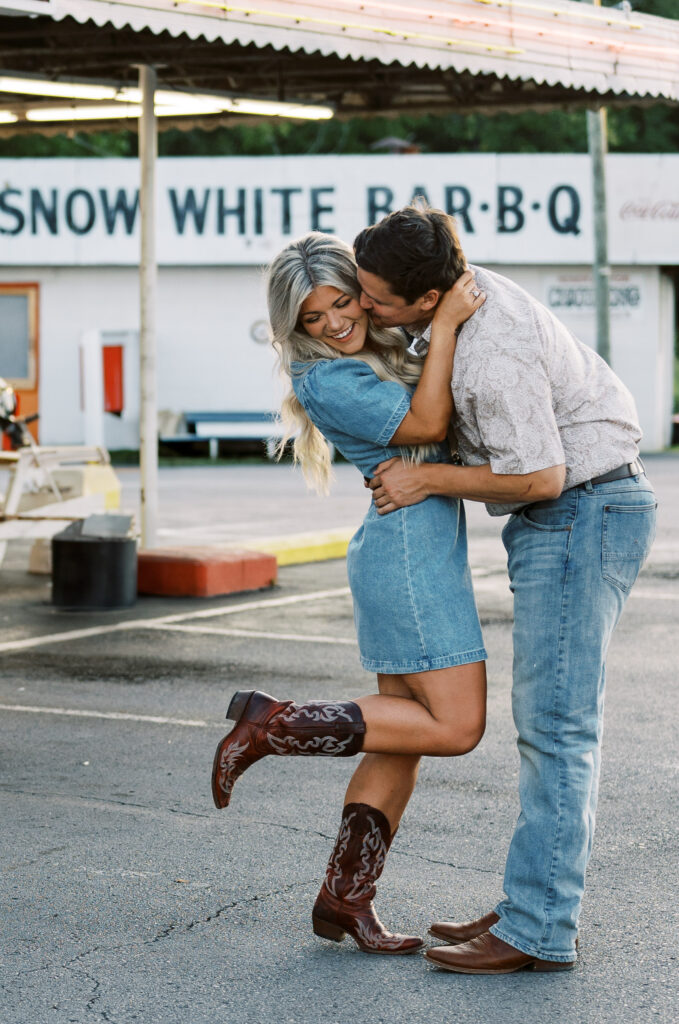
[547, 432]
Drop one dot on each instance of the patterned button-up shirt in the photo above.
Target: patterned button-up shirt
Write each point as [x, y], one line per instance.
[528, 395]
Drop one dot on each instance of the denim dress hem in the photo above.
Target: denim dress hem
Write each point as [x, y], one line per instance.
[424, 664]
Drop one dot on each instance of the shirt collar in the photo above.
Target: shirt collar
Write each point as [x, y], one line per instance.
[420, 343]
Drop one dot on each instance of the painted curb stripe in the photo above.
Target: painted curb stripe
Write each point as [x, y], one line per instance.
[297, 549]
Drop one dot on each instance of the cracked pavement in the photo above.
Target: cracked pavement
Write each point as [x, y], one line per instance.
[126, 897]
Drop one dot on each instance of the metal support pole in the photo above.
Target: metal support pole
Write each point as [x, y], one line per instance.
[148, 275]
[596, 133]
[92, 371]
[597, 139]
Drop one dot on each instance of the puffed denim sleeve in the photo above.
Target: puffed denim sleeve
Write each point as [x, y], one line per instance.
[347, 396]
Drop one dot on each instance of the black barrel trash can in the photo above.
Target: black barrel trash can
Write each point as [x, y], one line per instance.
[94, 564]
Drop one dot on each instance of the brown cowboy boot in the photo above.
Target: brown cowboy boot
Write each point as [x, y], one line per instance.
[265, 725]
[344, 904]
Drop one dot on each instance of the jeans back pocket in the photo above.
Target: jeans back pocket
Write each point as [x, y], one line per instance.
[628, 533]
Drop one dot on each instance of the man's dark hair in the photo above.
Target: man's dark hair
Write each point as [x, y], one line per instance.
[413, 250]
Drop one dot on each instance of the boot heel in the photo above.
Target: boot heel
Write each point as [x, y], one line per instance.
[238, 704]
[327, 930]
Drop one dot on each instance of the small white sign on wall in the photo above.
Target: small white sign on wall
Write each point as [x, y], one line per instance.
[571, 294]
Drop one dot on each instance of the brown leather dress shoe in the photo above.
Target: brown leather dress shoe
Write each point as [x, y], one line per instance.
[486, 954]
[455, 932]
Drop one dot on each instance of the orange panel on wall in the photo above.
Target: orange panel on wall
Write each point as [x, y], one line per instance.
[114, 396]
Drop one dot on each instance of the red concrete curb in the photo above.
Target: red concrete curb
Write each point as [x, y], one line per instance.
[203, 571]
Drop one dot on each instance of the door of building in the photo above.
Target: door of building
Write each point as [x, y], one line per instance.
[19, 345]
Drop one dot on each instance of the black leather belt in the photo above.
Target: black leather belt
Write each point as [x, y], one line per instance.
[635, 468]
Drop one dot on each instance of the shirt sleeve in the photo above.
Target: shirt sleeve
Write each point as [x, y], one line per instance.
[346, 395]
[515, 415]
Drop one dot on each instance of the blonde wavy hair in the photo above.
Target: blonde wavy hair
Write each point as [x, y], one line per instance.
[313, 261]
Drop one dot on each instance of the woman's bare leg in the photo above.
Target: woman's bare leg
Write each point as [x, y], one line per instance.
[444, 716]
[386, 781]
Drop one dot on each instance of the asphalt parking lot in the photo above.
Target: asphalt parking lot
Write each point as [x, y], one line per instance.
[127, 897]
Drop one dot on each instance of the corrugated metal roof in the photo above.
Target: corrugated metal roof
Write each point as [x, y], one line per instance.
[547, 41]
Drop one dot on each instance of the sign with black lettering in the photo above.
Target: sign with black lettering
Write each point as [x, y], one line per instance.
[572, 294]
[509, 209]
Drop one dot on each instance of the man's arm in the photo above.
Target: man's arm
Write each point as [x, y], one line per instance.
[397, 483]
[431, 405]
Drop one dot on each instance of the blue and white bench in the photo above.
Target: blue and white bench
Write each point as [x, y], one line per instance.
[214, 427]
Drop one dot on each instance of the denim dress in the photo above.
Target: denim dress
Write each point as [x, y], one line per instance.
[410, 581]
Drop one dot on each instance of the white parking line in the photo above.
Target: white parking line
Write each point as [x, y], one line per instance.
[260, 635]
[115, 715]
[203, 613]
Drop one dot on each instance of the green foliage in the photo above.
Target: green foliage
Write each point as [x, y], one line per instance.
[643, 130]
[661, 8]
[527, 132]
[73, 144]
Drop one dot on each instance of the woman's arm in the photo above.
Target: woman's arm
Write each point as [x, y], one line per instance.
[432, 403]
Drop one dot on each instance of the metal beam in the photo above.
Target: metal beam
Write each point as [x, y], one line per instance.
[148, 276]
[598, 145]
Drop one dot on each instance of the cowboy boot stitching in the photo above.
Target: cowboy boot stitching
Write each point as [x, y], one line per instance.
[322, 746]
[373, 848]
[334, 870]
[379, 940]
[326, 713]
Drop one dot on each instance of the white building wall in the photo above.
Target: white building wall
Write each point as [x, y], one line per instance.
[208, 359]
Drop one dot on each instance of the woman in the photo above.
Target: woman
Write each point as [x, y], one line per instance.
[356, 386]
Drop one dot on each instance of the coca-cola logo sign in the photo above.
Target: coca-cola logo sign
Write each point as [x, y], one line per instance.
[650, 209]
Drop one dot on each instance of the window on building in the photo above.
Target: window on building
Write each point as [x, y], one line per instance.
[19, 335]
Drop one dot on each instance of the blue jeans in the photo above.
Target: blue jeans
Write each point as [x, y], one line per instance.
[572, 563]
